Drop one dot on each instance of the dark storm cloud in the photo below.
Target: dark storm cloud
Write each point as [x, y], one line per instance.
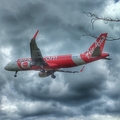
[95, 91]
[76, 90]
[17, 24]
[52, 109]
[116, 1]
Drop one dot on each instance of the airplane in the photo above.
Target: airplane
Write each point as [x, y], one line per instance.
[48, 65]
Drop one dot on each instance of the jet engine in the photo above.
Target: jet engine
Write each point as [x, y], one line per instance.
[41, 74]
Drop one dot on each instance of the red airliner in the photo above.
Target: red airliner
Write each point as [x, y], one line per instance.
[49, 65]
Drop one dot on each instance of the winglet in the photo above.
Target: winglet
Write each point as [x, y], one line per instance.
[35, 34]
[82, 68]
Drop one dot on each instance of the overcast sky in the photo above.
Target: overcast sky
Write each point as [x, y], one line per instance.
[93, 94]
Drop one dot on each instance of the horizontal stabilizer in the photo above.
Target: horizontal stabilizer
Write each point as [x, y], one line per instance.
[107, 58]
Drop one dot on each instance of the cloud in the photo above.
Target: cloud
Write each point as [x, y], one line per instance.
[92, 94]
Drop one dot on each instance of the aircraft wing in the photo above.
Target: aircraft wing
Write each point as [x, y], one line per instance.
[66, 71]
[36, 55]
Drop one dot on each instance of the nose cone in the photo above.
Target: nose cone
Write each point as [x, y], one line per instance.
[6, 67]
[10, 66]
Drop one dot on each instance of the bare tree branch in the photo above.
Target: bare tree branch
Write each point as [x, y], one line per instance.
[95, 17]
[87, 33]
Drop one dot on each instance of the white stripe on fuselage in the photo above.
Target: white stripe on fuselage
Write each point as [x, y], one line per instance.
[77, 60]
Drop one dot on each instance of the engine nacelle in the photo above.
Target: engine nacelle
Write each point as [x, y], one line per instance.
[45, 74]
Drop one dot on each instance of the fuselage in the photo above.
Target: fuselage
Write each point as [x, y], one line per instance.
[54, 62]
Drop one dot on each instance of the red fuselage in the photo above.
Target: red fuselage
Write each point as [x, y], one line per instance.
[57, 62]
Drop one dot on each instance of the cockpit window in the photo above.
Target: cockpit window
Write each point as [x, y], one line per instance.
[11, 63]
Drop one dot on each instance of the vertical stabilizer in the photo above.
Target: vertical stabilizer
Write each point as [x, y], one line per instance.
[97, 47]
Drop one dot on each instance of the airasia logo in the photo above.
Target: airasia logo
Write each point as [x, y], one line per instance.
[96, 44]
[99, 43]
[24, 64]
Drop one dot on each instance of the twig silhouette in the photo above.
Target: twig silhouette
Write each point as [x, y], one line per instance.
[94, 17]
[87, 33]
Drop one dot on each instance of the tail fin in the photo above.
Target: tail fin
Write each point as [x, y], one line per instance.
[97, 47]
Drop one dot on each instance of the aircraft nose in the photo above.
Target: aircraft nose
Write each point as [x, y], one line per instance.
[6, 68]
[11, 66]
